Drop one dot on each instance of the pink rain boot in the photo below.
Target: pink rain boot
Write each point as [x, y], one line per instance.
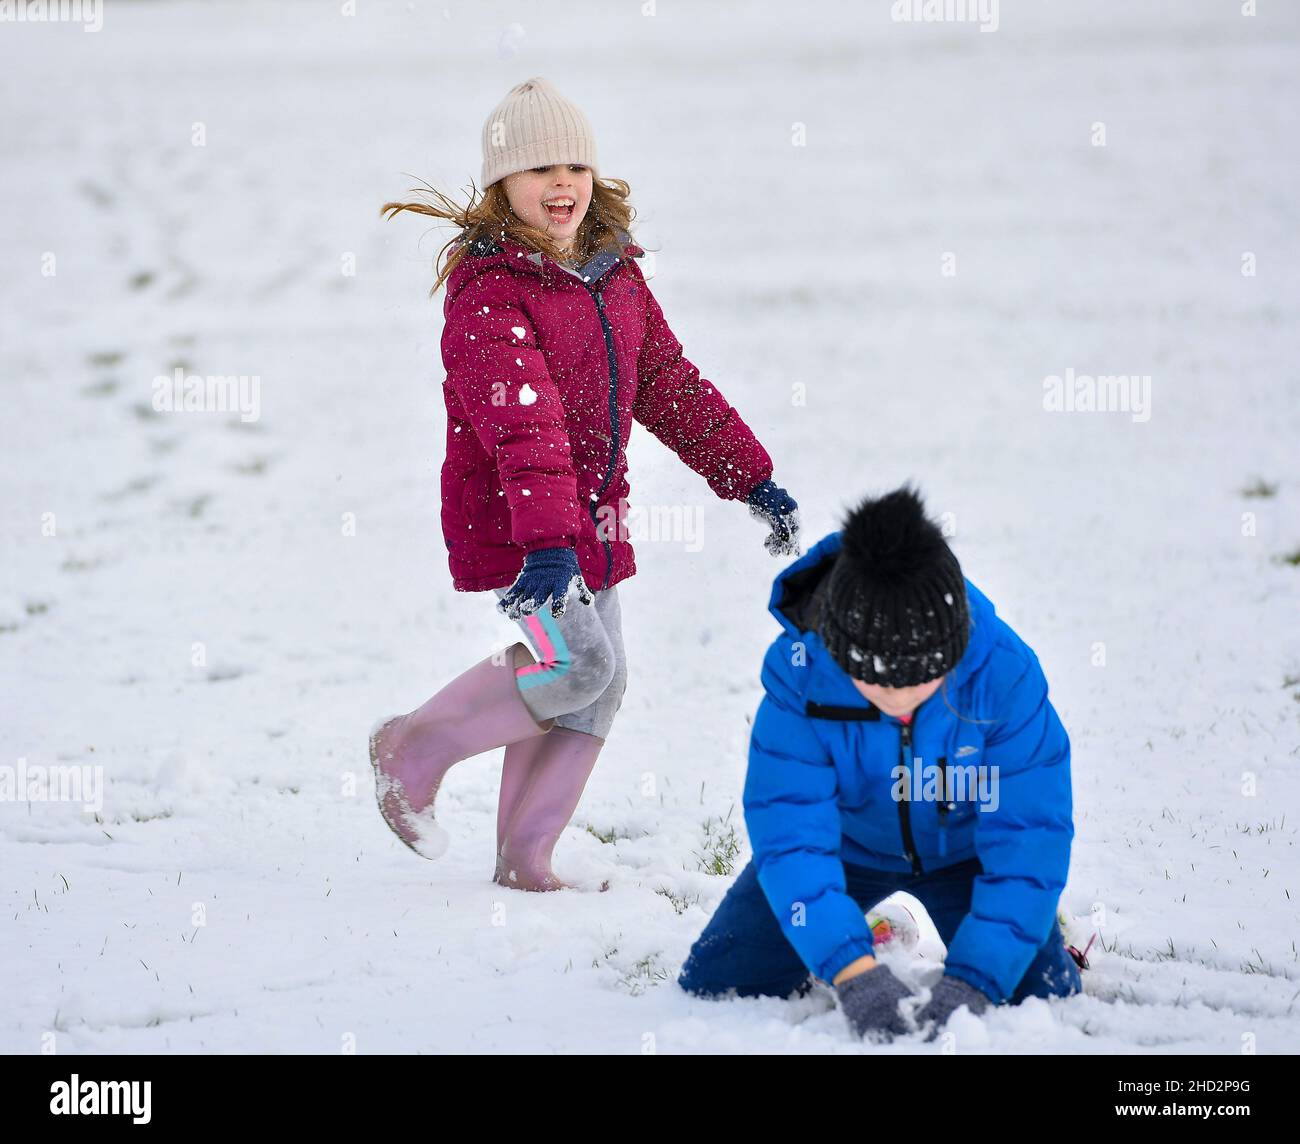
[541, 783]
[475, 712]
[516, 771]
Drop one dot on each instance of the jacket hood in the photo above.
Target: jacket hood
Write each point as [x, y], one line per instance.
[796, 598]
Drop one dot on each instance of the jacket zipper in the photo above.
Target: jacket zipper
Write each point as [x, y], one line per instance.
[871, 714]
[944, 806]
[904, 808]
[598, 296]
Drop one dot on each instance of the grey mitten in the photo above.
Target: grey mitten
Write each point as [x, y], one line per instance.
[949, 995]
[870, 1002]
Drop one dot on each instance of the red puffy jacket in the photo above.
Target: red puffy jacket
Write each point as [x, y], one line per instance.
[546, 371]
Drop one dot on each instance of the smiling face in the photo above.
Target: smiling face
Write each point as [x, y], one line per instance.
[898, 701]
[554, 199]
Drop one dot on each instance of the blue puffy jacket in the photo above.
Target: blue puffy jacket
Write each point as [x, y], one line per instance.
[823, 764]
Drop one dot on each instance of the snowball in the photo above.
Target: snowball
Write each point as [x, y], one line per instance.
[527, 395]
[519, 332]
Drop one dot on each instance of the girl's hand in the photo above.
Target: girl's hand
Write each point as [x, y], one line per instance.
[776, 508]
[547, 574]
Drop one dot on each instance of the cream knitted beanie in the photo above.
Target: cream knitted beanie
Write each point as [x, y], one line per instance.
[535, 126]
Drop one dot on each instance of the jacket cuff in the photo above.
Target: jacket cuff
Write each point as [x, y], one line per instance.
[847, 953]
[748, 468]
[973, 978]
[549, 542]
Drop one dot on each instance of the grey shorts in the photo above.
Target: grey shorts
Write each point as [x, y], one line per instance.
[581, 670]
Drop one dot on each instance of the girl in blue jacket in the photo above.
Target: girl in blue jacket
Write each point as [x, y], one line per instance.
[905, 742]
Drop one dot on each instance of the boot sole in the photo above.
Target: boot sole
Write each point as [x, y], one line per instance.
[379, 793]
[502, 880]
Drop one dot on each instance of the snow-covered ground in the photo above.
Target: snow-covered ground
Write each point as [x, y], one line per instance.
[224, 607]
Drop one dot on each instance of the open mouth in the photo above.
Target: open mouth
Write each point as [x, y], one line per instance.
[560, 209]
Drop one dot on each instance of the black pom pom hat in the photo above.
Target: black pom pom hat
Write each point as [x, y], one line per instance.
[894, 609]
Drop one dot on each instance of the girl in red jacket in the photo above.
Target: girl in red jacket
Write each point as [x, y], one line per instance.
[553, 346]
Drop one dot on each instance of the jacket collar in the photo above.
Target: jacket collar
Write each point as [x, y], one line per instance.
[521, 257]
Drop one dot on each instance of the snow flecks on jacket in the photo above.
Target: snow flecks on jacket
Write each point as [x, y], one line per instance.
[550, 391]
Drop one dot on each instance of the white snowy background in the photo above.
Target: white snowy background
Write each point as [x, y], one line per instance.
[237, 793]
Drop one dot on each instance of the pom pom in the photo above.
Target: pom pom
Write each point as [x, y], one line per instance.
[889, 540]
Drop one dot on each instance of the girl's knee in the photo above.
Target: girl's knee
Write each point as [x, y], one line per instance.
[592, 672]
[617, 684]
[573, 660]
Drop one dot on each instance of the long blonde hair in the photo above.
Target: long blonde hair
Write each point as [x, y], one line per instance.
[488, 214]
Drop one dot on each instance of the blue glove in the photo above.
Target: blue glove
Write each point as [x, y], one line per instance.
[776, 508]
[547, 574]
[870, 1002]
[949, 995]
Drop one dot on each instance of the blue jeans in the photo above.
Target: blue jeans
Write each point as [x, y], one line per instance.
[743, 948]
